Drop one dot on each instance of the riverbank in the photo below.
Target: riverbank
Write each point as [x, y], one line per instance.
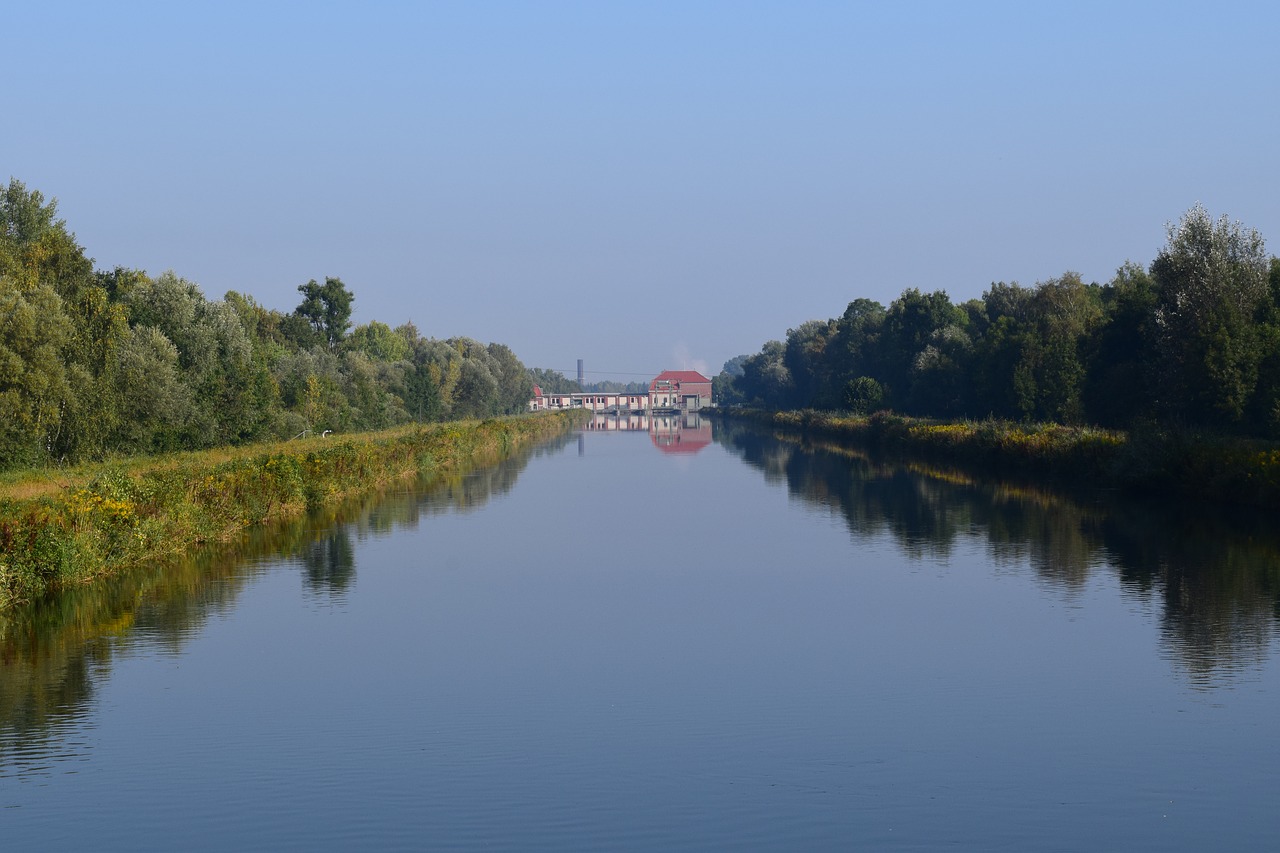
[94, 521]
[1154, 460]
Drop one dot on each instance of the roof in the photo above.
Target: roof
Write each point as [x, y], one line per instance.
[680, 376]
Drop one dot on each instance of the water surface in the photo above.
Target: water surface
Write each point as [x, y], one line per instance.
[649, 639]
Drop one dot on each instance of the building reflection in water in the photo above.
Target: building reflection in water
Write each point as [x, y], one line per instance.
[681, 432]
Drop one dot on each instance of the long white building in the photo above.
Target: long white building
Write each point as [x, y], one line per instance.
[670, 391]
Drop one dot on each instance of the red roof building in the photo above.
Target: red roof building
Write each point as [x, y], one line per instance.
[683, 390]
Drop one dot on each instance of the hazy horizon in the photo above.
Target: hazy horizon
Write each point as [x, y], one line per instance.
[642, 186]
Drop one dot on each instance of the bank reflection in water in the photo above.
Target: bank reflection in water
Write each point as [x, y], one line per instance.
[684, 432]
[54, 652]
[1214, 575]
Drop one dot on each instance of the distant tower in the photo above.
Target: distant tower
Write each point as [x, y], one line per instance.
[579, 371]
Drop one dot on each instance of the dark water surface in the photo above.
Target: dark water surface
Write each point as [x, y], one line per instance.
[653, 640]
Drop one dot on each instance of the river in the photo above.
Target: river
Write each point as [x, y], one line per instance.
[673, 638]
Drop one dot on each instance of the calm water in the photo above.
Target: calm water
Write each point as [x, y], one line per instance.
[666, 640]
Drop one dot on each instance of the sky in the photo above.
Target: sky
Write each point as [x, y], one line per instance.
[641, 185]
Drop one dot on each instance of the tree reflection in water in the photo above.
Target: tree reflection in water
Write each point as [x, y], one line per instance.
[53, 652]
[329, 563]
[1214, 574]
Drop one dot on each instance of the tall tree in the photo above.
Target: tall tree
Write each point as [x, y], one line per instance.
[37, 251]
[513, 385]
[1050, 374]
[33, 378]
[1213, 282]
[765, 379]
[1120, 379]
[326, 309]
[725, 390]
[807, 360]
[1264, 409]
[914, 322]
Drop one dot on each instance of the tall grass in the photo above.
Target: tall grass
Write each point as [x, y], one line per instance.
[99, 521]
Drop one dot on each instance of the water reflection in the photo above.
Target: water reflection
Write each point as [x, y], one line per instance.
[54, 652]
[1215, 577]
[680, 432]
[330, 564]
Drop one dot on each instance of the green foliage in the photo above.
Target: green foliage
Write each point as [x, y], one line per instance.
[94, 364]
[725, 388]
[807, 362]
[551, 381]
[1194, 340]
[766, 379]
[863, 395]
[513, 391]
[1120, 373]
[1212, 280]
[149, 386]
[1167, 461]
[852, 353]
[324, 315]
[122, 517]
[33, 378]
[1049, 376]
[379, 342]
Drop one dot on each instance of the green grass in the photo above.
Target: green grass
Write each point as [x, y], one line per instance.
[74, 526]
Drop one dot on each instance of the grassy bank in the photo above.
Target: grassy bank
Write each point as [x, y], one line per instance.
[1154, 459]
[89, 523]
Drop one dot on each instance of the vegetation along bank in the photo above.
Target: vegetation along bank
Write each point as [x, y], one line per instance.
[56, 535]
[1174, 462]
[1192, 339]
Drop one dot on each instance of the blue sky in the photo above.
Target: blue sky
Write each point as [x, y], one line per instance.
[640, 185]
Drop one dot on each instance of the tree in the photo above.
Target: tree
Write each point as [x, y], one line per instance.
[513, 385]
[1212, 280]
[806, 360]
[914, 322]
[326, 310]
[1264, 408]
[421, 394]
[995, 358]
[1060, 314]
[37, 251]
[765, 379]
[476, 394]
[725, 390]
[851, 352]
[1120, 372]
[311, 388]
[150, 390]
[939, 373]
[863, 395]
[33, 378]
[230, 388]
[379, 342]
[551, 381]
[366, 386]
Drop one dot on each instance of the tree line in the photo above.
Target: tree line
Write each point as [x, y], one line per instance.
[1193, 339]
[555, 382]
[101, 362]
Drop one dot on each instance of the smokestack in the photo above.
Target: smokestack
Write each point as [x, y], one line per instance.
[579, 371]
